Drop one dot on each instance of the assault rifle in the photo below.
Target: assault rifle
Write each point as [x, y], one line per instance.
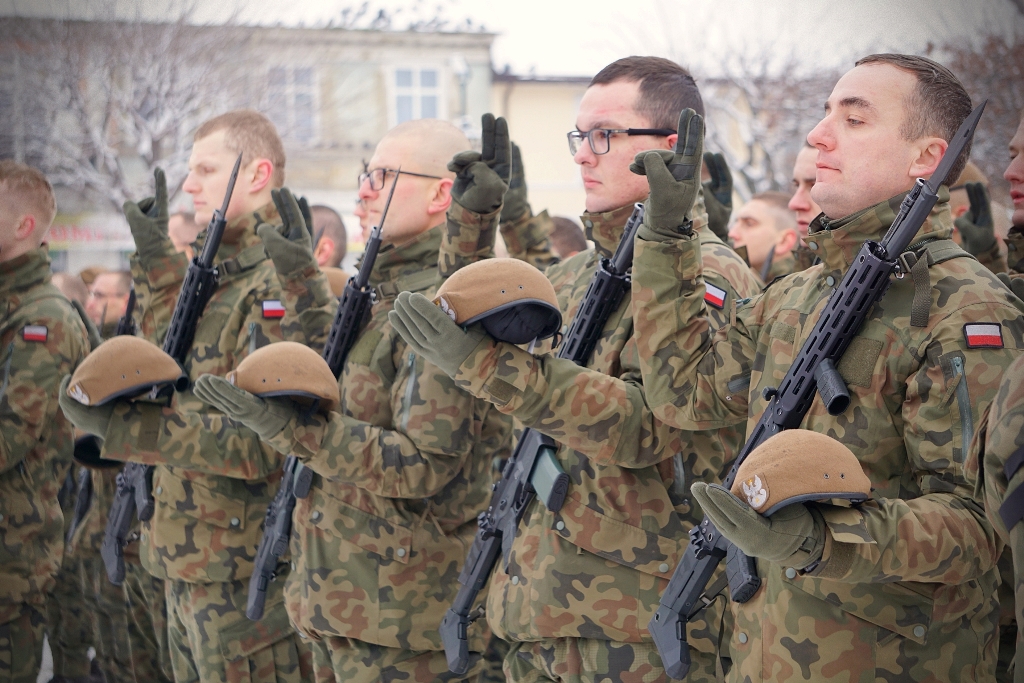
[134, 483]
[355, 303]
[814, 369]
[533, 470]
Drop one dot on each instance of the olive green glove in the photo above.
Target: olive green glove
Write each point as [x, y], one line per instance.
[793, 536]
[674, 178]
[431, 333]
[148, 222]
[516, 202]
[90, 419]
[265, 416]
[291, 247]
[718, 195]
[481, 178]
[1014, 284]
[976, 226]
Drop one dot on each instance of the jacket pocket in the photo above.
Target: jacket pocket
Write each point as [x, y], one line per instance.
[373, 534]
[192, 498]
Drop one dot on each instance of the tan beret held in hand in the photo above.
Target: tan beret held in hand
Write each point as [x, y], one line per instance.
[512, 299]
[288, 369]
[796, 466]
[123, 367]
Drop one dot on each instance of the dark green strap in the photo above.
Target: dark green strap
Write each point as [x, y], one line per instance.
[247, 260]
[416, 282]
[921, 308]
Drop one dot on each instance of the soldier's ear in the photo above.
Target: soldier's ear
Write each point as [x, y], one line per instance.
[670, 141]
[441, 196]
[25, 227]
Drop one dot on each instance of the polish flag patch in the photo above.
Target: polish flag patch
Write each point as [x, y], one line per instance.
[272, 308]
[714, 296]
[34, 333]
[983, 335]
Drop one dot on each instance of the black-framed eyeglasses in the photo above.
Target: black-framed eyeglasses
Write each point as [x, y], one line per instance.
[600, 139]
[378, 176]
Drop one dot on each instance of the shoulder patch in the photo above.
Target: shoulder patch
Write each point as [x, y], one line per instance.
[34, 333]
[714, 296]
[983, 335]
[273, 308]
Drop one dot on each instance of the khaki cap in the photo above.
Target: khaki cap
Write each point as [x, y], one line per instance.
[288, 369]
[338, 279]
[798, 465]
[123, 367]
[512, 299]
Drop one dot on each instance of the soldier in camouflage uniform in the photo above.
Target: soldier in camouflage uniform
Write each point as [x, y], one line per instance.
[883, 591]
[403, 466]
[213, 478]
[42, 338]
[581, 584]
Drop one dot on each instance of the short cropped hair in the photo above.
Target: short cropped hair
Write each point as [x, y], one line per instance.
[937, 108]
[778, 203]
[27, 190]
[666, 88]
[253, 135]
[567, 237]
[334, 230]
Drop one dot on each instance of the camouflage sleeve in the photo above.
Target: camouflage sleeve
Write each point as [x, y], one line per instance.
[687, 367]
[994, 259]
[307, 295]
[467, 237]
[189, 433]
[529, 239]
[156, 293]
[30, 374]
[922, 539]
[416, 456]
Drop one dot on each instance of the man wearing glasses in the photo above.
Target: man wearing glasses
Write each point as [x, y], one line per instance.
[582, 584]
[403, 466]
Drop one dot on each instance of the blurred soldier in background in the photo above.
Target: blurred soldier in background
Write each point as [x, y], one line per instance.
[333, 238]
[767, 228]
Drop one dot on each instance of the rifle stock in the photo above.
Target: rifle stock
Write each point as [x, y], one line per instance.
[865, 283]
[533, 466]
[134, 497]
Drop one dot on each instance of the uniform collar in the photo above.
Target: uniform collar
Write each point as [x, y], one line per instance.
[418, 254]
[605, 229]
[25, 271]
[836, 242]
[240, 234]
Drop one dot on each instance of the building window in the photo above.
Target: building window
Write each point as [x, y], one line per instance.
[291, 102]
[417, 94]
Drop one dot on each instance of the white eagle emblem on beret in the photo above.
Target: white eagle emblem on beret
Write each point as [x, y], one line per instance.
[755, 491]
[76, 392]
[446, 307]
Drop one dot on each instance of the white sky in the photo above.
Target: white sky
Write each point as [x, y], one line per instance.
[578, 37]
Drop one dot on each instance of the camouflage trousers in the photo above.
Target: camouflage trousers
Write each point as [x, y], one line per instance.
[211, 640]
[70, 621]
[110, 612]
[581, 660]
[344, 660]
[147, 625]
[494, 661]
[21, 644]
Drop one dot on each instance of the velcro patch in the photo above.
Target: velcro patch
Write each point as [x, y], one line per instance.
[34, 333]
[714, 296]
[983, 335]
[273, 308]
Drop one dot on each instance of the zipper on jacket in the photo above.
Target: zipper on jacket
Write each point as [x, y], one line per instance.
[409, 388]
[963, 399]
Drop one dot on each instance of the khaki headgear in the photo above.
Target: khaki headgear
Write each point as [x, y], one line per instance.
[124, 367]
[338, 279]
[510, 298]
[288, 369]
[796, 466]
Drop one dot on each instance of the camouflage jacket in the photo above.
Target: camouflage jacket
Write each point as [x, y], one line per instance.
[597, 567]
[214, 478]
[1015, 250]
[895, 596]
[402, 470]
[42, 339]
[999, 438]
[469, 237]
[88, 536]
[528, 238]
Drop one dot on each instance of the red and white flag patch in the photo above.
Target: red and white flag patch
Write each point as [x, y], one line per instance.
[714, 296]
[34, 333]
[983, 335]
[272, 308]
